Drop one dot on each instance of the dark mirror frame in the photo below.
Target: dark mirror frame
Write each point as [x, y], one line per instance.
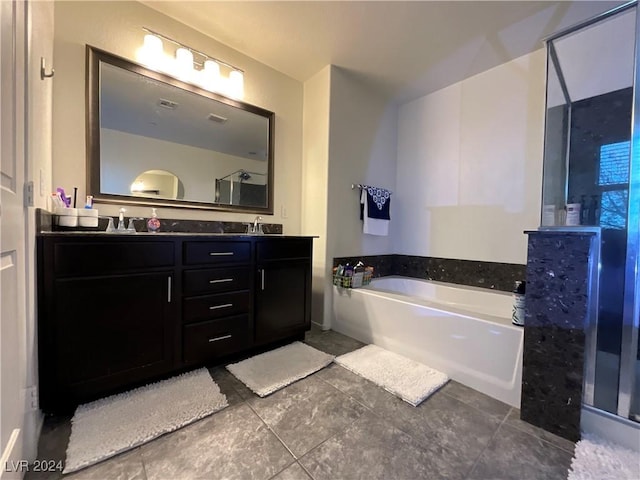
[95, 57]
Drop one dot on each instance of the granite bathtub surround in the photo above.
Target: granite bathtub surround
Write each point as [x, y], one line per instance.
[44, 222]
[383, 265]
[557, 301]
[493, 275]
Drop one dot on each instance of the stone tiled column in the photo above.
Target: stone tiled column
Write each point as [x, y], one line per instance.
[557, 304]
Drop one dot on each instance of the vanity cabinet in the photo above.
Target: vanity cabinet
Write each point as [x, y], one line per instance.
[283, 289]
[105, 316]
[118, 311]
[217, 302]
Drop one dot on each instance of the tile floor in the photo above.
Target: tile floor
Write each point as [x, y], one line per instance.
[335, 425]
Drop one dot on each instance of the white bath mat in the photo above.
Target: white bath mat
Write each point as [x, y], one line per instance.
[413, 382]
[112, 425]
[271, 371]
[596, 459]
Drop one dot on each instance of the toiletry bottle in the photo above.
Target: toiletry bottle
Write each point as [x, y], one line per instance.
[594, 211]
[517, 316]
[153, 224]
[584, 210]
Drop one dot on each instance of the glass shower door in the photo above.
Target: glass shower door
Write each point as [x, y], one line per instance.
[592, 179]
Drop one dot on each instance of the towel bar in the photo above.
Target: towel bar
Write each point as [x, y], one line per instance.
[361, 186]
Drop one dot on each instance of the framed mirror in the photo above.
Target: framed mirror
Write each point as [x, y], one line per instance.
[155, 140]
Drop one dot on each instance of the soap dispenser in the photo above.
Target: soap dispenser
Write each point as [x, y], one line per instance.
[153, 224]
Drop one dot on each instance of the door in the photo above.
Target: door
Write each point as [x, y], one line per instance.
[12, 236]
[282, 300]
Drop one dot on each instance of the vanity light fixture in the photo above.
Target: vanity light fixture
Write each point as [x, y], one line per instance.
[190, 65]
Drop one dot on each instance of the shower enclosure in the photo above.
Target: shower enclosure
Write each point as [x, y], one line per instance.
[592, 178]
[242, 188]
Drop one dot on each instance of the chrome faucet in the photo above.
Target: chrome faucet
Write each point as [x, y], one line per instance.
[132, 228]
[256, 226]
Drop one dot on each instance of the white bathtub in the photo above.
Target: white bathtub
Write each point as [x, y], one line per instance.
[465, 332]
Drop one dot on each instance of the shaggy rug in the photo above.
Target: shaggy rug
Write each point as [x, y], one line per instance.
[112, 425]
[413, 382]
[271, 371]
[597, 459]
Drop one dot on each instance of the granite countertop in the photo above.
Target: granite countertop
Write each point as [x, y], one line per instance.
[170, 234]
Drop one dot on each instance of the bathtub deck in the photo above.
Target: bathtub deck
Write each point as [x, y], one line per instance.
[336, 425]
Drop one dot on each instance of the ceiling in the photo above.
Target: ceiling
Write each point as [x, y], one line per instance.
[404, 49]
[138, 105]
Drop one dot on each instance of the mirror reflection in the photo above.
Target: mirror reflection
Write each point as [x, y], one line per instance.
[156, 139]
[160, 183]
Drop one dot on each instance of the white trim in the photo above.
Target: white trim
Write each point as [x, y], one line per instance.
[6, 457]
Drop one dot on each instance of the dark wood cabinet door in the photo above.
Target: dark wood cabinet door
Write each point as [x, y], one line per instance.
[282, 300]
[110, 331]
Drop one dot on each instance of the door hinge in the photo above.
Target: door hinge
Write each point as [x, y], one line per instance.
[28, 194]
[33, 402]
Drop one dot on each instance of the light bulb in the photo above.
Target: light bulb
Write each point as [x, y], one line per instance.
[210, 75]
[151, 52]
[236, 84]
[153, 43]
[184, 64]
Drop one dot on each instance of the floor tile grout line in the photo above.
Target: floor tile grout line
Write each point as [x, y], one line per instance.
[390, 422]
[471, 405]
[540, 438]
[475, 463]
[511, 408]
[282, 470]
[297, 459]
[504, 418]
[323, 442]
[272, 431]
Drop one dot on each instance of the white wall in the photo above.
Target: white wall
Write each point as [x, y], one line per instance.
[469, 165]
[39, 170]
[363, 139]
[315, 180]
[117, 28]
[349, 137]
[197, 169]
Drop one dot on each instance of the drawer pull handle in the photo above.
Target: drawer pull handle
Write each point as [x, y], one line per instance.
[225, 305]
[220, 254]
[222, 280]
[217, 339]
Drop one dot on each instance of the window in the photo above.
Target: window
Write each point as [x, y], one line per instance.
[613, 180]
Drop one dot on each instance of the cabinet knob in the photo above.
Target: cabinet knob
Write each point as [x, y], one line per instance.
[220, 254]
[222, 280]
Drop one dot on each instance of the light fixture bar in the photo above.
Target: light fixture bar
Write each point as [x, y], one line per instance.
[204, 55]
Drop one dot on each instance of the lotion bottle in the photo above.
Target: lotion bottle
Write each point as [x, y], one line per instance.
[153, 224]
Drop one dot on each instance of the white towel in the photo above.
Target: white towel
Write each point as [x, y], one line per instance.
[372, 226]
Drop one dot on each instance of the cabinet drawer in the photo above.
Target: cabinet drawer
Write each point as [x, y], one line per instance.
[215, 280]
[103, 257]
[219, 252]
[216, 306]
[207, 340]
[278, 248]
